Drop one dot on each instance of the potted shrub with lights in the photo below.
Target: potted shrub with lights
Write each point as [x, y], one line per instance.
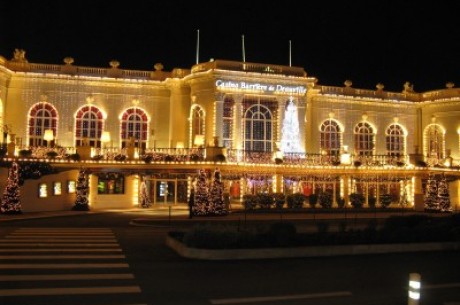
[357, 200]
[325, 200]
[385, 200]
[279, 200]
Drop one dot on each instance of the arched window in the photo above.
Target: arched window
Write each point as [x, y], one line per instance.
[258, 127]
[42, 116]
[89, 124]
[197, 121]
[364, 139]
[330, 137]
[434, 141]
[134, 128]
[395, 140]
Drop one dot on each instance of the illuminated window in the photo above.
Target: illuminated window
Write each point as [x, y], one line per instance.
[258, 128]
[197, 122]
[364, 139]
[330, 137]
[111, 183]
[89, 124]
[42, 190]
[227, 124]
[434, 141]
[42, 116]
[134, 125]
[395, 140]
[71, 184]
[57, 188]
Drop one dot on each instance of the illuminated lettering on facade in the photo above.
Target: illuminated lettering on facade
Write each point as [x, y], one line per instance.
[260, 87]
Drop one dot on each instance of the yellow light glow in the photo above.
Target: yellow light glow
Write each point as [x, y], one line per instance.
[48, 136]
[199, 140]
[135, 196]
[105, 137]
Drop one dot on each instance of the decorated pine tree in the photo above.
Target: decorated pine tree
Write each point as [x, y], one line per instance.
[290, 133]
[81, 202]
[216, 195]
[11, 201]
[443, 195]
[431, 194]
[145, 201]
[200, 206]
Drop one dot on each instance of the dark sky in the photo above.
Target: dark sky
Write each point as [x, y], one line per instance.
[374, 41]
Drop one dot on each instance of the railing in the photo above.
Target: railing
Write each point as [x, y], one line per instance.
[233, 156]
[249, 67]
[309, 159]
[93, 71]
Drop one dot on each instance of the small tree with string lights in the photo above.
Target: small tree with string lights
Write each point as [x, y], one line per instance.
[216, 195]
[443, 195]
[81, 202]
[11, 201]
[201, 204]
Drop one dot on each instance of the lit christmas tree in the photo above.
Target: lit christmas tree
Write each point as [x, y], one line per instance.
[290, 133]
[81, 202]
[216, 195]
[431, 194]
[200, 206]
[145, 201]
[11, 202]
[443, 195]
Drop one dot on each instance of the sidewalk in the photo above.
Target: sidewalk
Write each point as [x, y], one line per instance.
[180, 212]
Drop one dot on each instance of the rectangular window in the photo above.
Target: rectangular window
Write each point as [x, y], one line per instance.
[111, 183]
[71, 186]
[42, 190]
[57, 188]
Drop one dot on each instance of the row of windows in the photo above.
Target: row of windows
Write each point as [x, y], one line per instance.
[258, 124]
[89, 125]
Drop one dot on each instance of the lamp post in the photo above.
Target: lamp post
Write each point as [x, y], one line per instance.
[199, 140]
[48, 137]
[105, 138]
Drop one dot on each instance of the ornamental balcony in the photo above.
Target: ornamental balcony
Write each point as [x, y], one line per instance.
[234, 156]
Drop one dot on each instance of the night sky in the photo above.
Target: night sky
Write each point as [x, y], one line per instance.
[381, 41]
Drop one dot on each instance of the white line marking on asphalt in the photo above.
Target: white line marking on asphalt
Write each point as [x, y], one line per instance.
[59, 250]
[281, 298]
[67, 291]
[61, 277]
[61, 266]
[81, 256]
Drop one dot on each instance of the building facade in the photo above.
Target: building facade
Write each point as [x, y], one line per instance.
[269, 128]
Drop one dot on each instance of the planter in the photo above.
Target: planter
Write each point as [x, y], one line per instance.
[311, 251]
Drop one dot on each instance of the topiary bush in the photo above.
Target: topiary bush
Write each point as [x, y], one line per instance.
[325, 200]
[357, 200]
[279, 200]
[295, 201]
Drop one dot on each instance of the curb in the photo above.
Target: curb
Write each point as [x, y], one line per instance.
[313, 251]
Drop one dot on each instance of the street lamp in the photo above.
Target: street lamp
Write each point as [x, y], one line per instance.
[199, 140]
[48, 137]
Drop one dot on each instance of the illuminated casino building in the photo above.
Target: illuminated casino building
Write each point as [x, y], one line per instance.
[268, 128]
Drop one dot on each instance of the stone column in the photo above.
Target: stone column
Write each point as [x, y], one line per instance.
[218, 117]
[237, 122]
[346, 195]
[418, 194]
